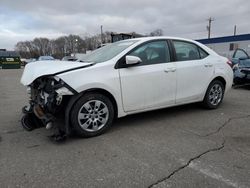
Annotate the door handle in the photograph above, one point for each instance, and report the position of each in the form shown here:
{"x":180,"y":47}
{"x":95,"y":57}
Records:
{"x":167,"y":70}
{"x":208,"y":65}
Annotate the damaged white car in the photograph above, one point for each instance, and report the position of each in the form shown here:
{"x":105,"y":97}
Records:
{"x":123,"y":78}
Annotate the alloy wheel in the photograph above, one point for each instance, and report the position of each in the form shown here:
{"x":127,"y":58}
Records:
{"x":215,"y":94}
{"x":93,"y":115}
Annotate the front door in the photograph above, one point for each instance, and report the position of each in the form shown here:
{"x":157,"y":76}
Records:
{"x":152,"y":83}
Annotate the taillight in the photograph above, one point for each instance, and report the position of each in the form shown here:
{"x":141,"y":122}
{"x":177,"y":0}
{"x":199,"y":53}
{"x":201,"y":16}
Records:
{"x":230,"y":63}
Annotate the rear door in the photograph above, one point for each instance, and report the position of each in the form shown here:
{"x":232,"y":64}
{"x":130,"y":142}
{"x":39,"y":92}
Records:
{"x":194,"y":71}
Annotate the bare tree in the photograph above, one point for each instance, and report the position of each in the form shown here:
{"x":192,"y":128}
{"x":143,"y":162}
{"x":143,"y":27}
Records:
{"x":23,"y":50}
{"x":42,"y":46}
{"x":61,"y":46}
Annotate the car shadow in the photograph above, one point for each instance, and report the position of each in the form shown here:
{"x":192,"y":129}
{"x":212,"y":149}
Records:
{"x":141,"y":118}
{"x":244,"y":86}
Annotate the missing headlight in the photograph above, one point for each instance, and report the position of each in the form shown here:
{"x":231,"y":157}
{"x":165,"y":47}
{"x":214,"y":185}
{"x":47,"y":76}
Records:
{"x":64,"y":91}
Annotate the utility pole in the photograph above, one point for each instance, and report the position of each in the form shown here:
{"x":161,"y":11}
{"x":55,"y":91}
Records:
{"x":235,"y":29}
{"x":101,"y":35}
{"x":209,"y":26}
{"x":75,"y":46}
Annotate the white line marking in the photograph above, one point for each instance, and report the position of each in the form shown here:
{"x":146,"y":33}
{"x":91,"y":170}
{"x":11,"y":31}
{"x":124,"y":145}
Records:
{"x":219,"y":177}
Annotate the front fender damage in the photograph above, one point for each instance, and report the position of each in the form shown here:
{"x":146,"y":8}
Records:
{"x":48,"y":98}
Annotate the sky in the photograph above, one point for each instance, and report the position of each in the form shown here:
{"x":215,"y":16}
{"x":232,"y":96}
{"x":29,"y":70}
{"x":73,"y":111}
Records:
{"x":22,"y":20}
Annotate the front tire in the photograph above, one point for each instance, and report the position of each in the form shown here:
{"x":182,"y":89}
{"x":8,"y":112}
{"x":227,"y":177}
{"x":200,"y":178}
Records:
{"x":214,"y":94}
{"x":92,"y":115}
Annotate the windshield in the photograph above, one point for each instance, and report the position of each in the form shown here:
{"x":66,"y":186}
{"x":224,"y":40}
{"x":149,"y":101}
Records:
{"x":107,"y":52}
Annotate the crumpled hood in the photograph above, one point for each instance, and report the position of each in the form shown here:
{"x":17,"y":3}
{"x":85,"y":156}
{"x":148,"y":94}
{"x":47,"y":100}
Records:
{"x":37,"y":69}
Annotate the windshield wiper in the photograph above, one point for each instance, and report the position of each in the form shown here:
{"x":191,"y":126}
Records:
{"x":82,"y":61}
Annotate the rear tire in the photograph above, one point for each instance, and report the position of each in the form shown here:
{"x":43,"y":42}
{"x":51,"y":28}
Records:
{"x":92,"y":115}
{"x":214,"y":94}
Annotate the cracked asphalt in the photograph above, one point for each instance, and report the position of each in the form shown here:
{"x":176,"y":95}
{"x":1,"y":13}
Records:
{"x":185,"y":146}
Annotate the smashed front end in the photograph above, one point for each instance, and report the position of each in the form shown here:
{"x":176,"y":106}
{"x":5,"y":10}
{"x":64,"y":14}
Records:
{"x":48,"y":96}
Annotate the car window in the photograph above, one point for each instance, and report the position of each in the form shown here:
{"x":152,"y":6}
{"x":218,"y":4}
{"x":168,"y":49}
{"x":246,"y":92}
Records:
{"x":240,"y":54}
{"x":152,"y":53}
{"x":186,"y":51}
{"x":203,"y":54}
{"x":244,"y":63}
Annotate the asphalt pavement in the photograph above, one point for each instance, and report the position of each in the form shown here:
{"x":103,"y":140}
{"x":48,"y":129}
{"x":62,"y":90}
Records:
{"x":184,"y":146}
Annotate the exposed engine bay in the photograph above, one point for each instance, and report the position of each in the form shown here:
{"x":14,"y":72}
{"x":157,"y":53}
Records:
{"x":47,"y":98}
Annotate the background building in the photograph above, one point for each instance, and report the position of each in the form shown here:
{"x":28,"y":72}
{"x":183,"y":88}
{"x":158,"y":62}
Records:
{"x":226,"y":46}
{"x":123,"y":36}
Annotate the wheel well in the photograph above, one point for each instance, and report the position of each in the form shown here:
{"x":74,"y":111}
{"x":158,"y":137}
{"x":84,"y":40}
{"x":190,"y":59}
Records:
{"x":107,"y":94}
{"x":216,"y":78}
{"x":220,"y":79}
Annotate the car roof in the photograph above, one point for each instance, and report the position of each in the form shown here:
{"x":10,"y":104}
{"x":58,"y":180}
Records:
{"x":145,"y":39}
{"x":158,"y":37}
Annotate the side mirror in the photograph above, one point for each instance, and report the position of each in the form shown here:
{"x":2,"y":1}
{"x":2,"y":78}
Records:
{"x":132,"y":60}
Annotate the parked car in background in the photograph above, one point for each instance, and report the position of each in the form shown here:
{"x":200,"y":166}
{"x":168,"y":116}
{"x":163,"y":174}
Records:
{"x":238,"y":55}
{"x":69,"y":58}
{"x":23,"y":61}
{"x":241,"y":67}
{"x":26,"y":61}
{"x":31,"y":60}
{"x":46,"y":58}
{"x":123,"y":78}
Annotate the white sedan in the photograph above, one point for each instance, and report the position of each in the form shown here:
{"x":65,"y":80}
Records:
{"x":123,"y":78}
